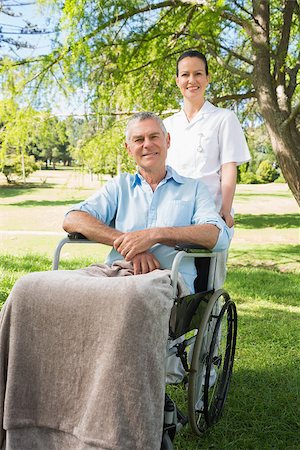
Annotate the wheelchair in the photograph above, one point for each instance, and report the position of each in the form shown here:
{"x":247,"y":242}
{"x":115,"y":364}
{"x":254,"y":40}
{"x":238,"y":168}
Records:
{"x":206,"y":323}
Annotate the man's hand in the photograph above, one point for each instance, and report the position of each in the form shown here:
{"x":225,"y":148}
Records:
{"x":133,"y":243}
{"x":144,"y":263}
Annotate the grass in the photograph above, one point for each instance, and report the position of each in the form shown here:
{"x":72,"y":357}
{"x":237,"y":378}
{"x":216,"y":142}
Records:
{"x":263,"y":405}
{"x":262,"y":409}
{"x":256,"y":221}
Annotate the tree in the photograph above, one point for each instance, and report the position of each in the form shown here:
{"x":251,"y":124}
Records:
{"x":17,"y":132}
{"x":104,"y":152}
{"x":125,"y":51}
{"x":19,"y":166}
{"x":51,"y":144}
{"x":266,"y":172}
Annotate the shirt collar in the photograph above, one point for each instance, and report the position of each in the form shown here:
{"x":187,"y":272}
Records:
{"x":170,"y":174}
{"x":207,"y":108}
{"x":136,"y":180}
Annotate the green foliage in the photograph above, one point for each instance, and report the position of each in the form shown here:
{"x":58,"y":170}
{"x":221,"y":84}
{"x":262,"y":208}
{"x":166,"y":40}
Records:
{"x":266,"y":172}
{"x":122,"y":55}
{"x":16,"y":135}
{"x":51,"y":141}
{"x":263,"y":167}
{"x":27,"y":135}
{"x":248,"y":178}
{"x":19,"y":165}
{"x":104,"y":151}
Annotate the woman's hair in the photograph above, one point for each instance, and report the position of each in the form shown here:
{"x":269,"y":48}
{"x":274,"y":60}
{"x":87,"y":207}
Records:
{"x":192,"y":54}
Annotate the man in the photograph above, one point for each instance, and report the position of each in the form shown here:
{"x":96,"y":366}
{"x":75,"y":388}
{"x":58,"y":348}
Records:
{"x":153,"y":210}
{"x":83,"y":351}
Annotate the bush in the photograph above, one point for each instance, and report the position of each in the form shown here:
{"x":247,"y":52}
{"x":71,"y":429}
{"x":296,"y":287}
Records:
{"x":13,"y":169}
{"x":266,"y":172}
{"x":248,"y":178}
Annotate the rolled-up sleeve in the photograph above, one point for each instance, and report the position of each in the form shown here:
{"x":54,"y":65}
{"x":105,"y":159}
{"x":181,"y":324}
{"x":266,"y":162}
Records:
{"x":102,"y":205}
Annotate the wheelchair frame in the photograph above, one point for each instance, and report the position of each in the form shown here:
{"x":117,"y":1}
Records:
{"x":208,"y":322}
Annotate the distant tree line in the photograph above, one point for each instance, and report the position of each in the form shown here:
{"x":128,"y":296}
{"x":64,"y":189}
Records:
{"x":30,"y":140}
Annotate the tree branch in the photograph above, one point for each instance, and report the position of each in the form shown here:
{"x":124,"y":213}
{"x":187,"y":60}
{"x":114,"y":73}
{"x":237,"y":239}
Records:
{"x":295,"y":112}
{"x":127,"y":15}
{"x":238,"y":97}
{"x":279,"y":73}
{"x":293,"y":72}
{"x":227,"y":14}
{"x":230,"y":68}
{"x":237,"y":55}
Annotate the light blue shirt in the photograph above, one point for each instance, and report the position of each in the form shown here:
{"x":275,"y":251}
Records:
{"x":128,"y":203}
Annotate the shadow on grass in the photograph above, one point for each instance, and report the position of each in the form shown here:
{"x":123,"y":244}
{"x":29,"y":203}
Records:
{"x":32,"y":203}
{"x":242,"y":195}
{"x":17,"y":189}
{"x":262,"y":407}
{"x":261,"y":284}
{"x":282,"y":258}
{"x":254,"y":221}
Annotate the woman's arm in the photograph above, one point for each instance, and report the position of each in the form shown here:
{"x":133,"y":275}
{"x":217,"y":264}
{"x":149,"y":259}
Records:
{"x":228,"y":184}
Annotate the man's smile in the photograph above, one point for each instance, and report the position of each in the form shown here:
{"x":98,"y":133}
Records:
{"x":150,"y":154}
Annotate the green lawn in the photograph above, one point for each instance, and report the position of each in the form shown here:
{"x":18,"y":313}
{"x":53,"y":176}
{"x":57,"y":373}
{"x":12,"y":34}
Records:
{"x":263,"y":405}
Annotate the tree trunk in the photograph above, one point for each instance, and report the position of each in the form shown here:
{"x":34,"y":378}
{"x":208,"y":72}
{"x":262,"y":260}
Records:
{"x":287,"y":150}
{"x":23,"y":168}
{"x":283,"y":132}
{"x":285,"y":138}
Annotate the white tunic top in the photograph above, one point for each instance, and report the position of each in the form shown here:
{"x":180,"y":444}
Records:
{"x":200,"y":147}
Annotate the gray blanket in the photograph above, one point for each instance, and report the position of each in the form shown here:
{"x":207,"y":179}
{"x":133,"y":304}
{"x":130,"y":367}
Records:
{"x":83,"y":359}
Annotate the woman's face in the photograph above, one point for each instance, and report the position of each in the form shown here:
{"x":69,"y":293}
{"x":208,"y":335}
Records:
{"x":192,"y":79}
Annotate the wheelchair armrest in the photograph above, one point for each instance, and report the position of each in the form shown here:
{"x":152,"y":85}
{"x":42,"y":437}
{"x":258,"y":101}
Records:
{"x":76,"y":236}
{"x":72,"y":238}
{"x":192,"y":248}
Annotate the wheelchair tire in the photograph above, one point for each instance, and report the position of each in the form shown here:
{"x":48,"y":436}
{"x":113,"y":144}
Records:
{"x":212,"y":362}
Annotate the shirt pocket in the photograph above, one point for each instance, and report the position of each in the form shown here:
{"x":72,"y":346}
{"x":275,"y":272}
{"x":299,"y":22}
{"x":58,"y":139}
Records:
{"x":176,"y":213}
{"x":206,"y":141}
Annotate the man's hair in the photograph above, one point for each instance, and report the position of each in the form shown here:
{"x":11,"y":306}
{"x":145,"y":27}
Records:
{"x":139,"y":117}
{"x":192,"y":54}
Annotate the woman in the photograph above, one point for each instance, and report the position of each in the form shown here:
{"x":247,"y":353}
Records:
{"x":207,"y":142}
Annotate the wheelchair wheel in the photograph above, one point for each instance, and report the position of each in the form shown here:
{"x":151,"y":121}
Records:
{"x":167,"y":443}
{"x":212,"y":362}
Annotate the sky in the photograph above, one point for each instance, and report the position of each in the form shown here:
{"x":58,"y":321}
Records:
{"x":10,"y":27}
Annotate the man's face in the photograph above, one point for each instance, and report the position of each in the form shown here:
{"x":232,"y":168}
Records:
{"x":147,"y":144}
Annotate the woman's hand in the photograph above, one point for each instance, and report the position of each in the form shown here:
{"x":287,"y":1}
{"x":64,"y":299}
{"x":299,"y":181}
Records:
{"x":228,"y":219}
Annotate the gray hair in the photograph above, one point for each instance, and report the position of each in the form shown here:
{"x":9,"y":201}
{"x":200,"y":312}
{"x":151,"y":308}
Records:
{"x":139,"y":117}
